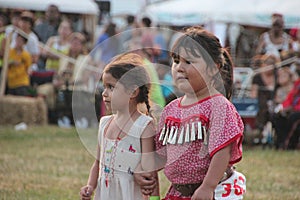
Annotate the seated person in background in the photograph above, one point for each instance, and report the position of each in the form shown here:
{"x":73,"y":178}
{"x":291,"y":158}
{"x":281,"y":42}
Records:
{"x":59,"y":44}
{"x":285,"y":85}
{"x":32,"y":45}
{"x":68,"y":68}
{"x":80,"y":70}
{"x":275,"y":40}
{"x":49,"y":26}
{"x":263,"y":86}
{"x":290,"y":108}
{"x":18,"y":68}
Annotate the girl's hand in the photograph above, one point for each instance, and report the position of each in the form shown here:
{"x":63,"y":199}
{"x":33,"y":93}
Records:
{"x":146,"y":181}
{"x":86,"y":192}
{"x":203,"y":193}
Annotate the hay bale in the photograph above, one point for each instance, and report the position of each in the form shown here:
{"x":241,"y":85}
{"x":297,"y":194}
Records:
{"x":17,"y":109}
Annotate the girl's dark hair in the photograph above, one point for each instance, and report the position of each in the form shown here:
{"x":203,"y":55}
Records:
{"x":201,"y":43}
{"x":131,"y":75}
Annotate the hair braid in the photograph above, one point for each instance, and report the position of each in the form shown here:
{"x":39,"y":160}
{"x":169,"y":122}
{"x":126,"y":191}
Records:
{"x":144,"y":97}
{"x":226,"y":71}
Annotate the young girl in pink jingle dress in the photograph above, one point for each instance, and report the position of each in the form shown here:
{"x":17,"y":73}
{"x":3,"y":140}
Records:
{"x":200,"y":134}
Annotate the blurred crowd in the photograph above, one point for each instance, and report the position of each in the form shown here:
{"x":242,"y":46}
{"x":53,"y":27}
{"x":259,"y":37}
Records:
{"x":273,"y":55}
{"x":50,"y":54}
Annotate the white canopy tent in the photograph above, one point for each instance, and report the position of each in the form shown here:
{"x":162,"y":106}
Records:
{"x":246,"y":12}
{"x":88,"y":9}
{"x":66,"y":6}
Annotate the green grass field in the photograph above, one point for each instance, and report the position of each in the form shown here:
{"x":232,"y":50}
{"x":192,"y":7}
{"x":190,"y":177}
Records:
{"x":47,"y":162}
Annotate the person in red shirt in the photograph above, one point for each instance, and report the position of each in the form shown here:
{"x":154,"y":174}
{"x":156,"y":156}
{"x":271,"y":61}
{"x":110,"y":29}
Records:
{"x":290,"y":108}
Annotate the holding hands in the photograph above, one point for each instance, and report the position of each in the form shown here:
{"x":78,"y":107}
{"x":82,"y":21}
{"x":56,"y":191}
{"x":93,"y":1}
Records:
{"x":86,"y":192}
{"x":147,"y":181}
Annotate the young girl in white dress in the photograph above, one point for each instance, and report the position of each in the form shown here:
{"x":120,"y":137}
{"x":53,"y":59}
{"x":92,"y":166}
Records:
{"x":126,"y":138}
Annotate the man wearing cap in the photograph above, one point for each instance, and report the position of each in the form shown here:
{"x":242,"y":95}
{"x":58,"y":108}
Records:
{"x":275,"y":40}
{"x":32,"y":46}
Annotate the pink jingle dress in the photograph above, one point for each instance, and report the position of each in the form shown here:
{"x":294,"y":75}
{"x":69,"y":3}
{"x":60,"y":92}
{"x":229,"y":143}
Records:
{"x":189,"y":136}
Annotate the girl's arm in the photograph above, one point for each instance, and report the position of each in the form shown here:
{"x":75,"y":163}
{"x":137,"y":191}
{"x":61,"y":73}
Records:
{"x":215,"y":172}
{"x":145,"y":180}
{"x":148,"y":163}
{"x":87,"y":191}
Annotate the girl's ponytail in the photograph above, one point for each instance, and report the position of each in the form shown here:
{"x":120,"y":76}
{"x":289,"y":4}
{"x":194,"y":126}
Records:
{"x":226,"y":71}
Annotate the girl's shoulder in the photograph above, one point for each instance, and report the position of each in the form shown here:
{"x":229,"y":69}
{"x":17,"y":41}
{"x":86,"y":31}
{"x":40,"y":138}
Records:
{"x":143,"y":120}
{"x":104,"y":121}
{"x":221,"y":99}
{"x":139,"y":125}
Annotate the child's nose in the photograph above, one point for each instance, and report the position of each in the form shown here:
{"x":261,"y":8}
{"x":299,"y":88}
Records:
{"x":104,"y":93}
{"x":179,"y":67}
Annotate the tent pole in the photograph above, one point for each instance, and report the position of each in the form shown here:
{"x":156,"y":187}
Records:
{"x":5,"y":65}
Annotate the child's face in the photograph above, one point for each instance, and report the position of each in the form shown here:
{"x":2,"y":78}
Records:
{"x":115,"y":96}
{"x":64,"y":29}
{"x":189,"y":73}
{"x":283,"y":76}
{"x":76,"y":45}
{"x":19,"y":42}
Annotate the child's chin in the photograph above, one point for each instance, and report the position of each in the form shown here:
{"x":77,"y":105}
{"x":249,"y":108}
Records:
{"x":185,"y":89}
{"x":108,"y":108}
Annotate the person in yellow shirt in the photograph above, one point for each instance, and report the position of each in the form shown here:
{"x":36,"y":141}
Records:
{"x":59,"y":44}
{"x":18,"y":79}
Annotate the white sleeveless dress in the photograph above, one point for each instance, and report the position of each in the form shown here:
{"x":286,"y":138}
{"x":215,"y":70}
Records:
{"x":118,"y":161}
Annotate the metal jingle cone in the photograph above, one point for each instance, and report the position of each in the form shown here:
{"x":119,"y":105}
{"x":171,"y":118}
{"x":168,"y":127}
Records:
{"x":171,"y":134}
{"x":199,"y":131}
{"x":193,"y":132}
{"x":180,"y":139}
{"x":166,"y":136}
{"x":205,"y":139}
{"x":187,"y":133}
{"x":162,"y":133}
{"x":173,"y":140}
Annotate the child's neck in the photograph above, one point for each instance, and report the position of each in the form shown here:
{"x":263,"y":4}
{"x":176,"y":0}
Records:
{"x":124,"y":114}
{"x":191,"y":98}
{"x":19,"y":49}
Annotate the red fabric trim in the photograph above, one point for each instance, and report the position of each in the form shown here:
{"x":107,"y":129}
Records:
{"x":201,"y":100}
{"x":226,"y":144}
{"x":42,"y":74}
{"x":205,"y":119}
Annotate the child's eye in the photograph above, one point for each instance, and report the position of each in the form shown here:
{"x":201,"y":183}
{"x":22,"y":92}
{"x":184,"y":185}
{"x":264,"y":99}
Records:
{"x":176,"y":60}
{"x":109,"y":86}
{"x":187,"y":62}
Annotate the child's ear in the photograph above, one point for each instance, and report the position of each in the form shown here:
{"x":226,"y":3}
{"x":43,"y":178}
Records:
{"x":215,"y":70}
{"x":135,"y":92}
